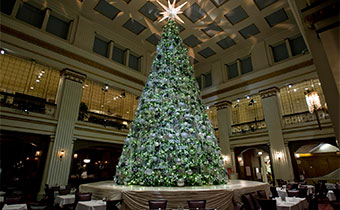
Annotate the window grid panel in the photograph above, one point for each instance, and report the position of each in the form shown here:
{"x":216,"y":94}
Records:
{"x":293,"y":98}
{"x":16,"y":71}
{"x":109,"y":102}
{"x":243,"y":112}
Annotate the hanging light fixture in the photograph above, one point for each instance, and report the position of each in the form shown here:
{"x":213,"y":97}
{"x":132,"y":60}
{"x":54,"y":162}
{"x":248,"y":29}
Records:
{"x":313,"y":101}
{"x":314,"y":104}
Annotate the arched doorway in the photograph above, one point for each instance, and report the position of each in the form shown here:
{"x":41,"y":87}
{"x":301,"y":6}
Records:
{"x":254,"y":163}
{"x":23,"y":157}
{"x":93,"y":161}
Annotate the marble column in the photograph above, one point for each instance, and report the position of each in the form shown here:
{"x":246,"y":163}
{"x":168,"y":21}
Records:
{"x":47,"y":165}
{"x":282,"y":166}
{"x":68,"y":100}
{"x":224,"y":130}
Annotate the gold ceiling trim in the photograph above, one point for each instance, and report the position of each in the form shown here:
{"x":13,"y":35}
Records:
{"x":61,"y":51}
{"x":258,"y":79}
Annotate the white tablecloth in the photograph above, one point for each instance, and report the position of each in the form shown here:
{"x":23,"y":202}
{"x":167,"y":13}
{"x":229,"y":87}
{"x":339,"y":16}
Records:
{"x":310,"y":189}
{"x":291,"y":203}
{"x":62,"y":200}
{"x":330,"y":186}
{"x":91,"y":205}
{"x":331,"y":195}
{"x":15,"y":207}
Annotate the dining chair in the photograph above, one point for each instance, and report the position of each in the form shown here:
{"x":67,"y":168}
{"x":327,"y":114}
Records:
{"x":262,"y":194}
{"x":267,"y":204}
{"x":156,"y":204}
{"x":196,"y":203}
{"x":248,"y":202}
{"x":255,"y":202}
{"x":274,"y":192}
{"x":112,"y":204}
{"x":303,"y":193}
{"x":64,"y":191}
{"x":289,"y":186}
{"x":313,"y":203}
{"x":79,"y":197}
{"x":13,"y":199}
{"x":337,"y":194}
{"x":293,"y":193}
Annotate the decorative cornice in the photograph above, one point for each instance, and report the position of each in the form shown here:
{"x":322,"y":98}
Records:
{"x":223,"y":105}
{"x":269,"y":92}
{"x":63,"y":52}
{"x":261,"y":78}
{"x":73,"y":75}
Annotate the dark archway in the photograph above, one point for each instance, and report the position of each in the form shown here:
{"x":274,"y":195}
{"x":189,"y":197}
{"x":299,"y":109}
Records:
{"x":103,"y":158}
{"x":23,"y":157}
{"x":247,"y":152}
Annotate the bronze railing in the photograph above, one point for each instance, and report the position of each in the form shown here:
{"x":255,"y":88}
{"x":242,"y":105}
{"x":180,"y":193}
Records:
{"x":27,"y":103}
{"x":247,"y":127}
{"x":303,"y":117}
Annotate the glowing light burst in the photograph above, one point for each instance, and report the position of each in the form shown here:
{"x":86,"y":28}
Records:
{"x":171,"y":11}
{"x":313,"y":101}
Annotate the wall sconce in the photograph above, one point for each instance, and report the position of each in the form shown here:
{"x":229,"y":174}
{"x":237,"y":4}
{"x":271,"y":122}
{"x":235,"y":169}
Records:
{"x":259,"y":153}
{"x":225,"y":159}
{"x":239,"y":159}
{"x":38,"y":153}
{"x":279,"y":155}
{"x":61,"y":154}
{"x":75,"y":155}
{"x":87,"y":160}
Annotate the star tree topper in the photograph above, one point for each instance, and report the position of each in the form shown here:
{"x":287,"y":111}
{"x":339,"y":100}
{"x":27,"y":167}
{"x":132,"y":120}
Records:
{"x":171,"y":11}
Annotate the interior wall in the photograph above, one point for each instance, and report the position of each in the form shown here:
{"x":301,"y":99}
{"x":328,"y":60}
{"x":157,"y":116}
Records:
{"x":318,"y":165}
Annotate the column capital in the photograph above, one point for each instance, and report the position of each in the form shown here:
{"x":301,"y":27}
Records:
{"x":222,"y":105}
{"x":266,"y":93}
{"x":73,"y":75}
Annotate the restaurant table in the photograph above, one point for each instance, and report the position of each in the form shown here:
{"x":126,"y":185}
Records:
{"x":291,"y":203}
{"x":330,"y":186}
{"x":62,"y":200}
{"x":331,"y":196}
{"x":15,"y":207}
{"x":310,"y":189}
{"x":91,"y":205}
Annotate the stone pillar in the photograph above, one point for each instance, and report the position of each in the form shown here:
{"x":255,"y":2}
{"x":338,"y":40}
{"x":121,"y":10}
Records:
{"x":47,"y":16}
{"x":127,"y":57}
{"x":233,"y":160}
{"x":323,"y":44}
{"x":16,"y":7}
{"x":224,"y":130}
{"x":47,"y":165}
{"x":272,"y":113}
{"x":68,"y":100}
{"x":111,"y":46}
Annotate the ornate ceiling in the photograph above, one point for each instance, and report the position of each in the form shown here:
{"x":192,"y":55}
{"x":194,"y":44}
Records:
{"x":211,"y":29}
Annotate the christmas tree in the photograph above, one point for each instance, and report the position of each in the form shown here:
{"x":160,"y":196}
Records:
{"x":171,"y":141}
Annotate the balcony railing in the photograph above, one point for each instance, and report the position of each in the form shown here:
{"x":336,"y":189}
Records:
{"x":27,"y":103}
{"x":303,"y":117}
{"x":105,"y":120}
{"x":247,"y":127}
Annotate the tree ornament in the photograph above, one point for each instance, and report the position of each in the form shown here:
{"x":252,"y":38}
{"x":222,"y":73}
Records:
{"x":180,"y":182}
